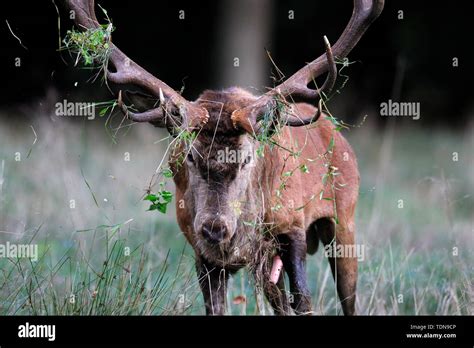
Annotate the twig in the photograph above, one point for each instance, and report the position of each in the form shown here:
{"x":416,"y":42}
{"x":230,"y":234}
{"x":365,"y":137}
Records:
{"x":59,"y":24}
{"x":34,"y":142}
{"x":16,"y":37}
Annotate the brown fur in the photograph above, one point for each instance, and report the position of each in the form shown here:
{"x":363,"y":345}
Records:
{"x":302,"y":216}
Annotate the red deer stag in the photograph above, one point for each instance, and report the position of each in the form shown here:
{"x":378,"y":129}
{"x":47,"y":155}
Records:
{"x":230,"y":204}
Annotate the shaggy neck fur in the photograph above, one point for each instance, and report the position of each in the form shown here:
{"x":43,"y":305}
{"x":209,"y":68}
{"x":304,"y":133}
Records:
{"x":218,"y":134}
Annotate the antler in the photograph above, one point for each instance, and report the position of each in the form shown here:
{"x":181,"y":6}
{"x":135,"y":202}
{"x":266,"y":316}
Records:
{"x":129,"y":72}
{"x":296,"y":87}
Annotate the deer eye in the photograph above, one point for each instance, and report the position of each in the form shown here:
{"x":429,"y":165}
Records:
{"x":190,"y":157}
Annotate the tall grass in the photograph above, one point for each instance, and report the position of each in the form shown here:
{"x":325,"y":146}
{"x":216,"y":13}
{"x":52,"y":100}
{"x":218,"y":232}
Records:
{"x":75,"y":195}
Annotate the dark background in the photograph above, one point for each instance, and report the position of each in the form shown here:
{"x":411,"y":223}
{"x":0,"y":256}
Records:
{"x":422,"y":45}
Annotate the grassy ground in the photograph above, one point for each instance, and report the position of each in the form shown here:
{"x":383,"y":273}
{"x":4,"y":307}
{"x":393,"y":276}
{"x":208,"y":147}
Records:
{"x":411,"y":265}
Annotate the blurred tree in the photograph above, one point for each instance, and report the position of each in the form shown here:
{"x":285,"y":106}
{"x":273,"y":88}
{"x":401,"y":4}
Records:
{"x":244,"y":31}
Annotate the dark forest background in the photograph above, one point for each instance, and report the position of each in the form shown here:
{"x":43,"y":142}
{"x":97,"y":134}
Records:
{"x":418,"y":49}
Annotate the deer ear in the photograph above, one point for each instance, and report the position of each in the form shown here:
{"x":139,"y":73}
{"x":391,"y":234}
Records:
{"x":141,"y":101}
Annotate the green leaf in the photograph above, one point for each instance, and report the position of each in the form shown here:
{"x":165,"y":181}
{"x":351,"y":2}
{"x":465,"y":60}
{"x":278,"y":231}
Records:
{"x":167,"y":196}
{"x":103,"y":111}
{"x":87,"y":59}
{"x":304,"y":168}
{"x":162,"y":208}
{"x":160,"y":200}
{"x":167,"y":173}
{"x":150,"y":197}
{"x":333,"y":120}
{"x":153,"y":207}
{"x":331,"y":145}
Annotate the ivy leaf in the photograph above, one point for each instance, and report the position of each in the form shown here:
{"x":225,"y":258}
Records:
{"x":167,"y":196}
{"x":167,"y":173}
{"x":159,"y":201}
{"x":153,"y":207}
{"x":151,"y":197}
{"x":162,"y":207}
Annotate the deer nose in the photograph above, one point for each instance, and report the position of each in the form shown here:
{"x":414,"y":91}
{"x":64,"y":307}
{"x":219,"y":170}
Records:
{"x":214,"y":231}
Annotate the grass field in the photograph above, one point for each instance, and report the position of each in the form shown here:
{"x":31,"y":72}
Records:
{"x":73,"y":193}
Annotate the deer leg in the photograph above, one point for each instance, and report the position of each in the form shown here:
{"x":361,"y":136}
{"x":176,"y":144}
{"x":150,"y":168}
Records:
{"x":276,"y":295}
{"x":293,"y":255}
{"x":213,"y":282}
{"x":344,"y":268}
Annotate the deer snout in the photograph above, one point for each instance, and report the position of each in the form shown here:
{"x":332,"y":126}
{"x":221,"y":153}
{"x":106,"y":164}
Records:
{"x":214,"y":231}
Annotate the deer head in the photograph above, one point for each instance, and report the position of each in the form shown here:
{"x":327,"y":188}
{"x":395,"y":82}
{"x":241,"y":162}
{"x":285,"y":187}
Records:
{"x":227,"y":121}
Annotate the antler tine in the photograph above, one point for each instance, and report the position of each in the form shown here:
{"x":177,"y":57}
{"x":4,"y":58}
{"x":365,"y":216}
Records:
{"x":129,"y":72}
{"x":326,"y":88}
{"x":296,"y":86}
{"x":248,"y":118}
{"x":363,"y":14}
